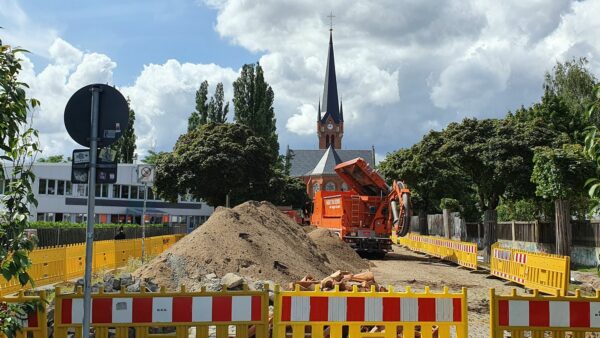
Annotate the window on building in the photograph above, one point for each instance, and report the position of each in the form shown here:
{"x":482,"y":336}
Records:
{"x":80,"y":218}
{"x":344,"y":187}
{"x":125,"y":191}
{"x":82,"y":190}
{"x":150,"y":194}
{"x":141,"y":193}
{"x":51,"y":187}
{"x":66,"y":218}
{"x":60,"y":187}
{"x":50,"y":217}
{"x":40,"y":216}
{"x":330,"y":186}
{"x":316,"y":187}
{"x":134,"y":192}
{"x":42,"y":186}
{"x":116,"y":191}
{"x":68,"y":188}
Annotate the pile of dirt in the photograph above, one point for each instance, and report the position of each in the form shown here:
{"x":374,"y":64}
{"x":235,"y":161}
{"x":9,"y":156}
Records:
{"x":253,"y":240}
{"x":339,"y":255}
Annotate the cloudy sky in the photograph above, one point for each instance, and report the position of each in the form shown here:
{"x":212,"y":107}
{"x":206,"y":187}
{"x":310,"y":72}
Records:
{"x":404,"y":67}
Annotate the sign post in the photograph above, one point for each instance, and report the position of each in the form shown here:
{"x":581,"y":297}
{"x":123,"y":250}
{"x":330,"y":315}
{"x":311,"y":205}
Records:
{"x":89,"y":235}
{"x":94,"y":116}
{"x":145,"y":176}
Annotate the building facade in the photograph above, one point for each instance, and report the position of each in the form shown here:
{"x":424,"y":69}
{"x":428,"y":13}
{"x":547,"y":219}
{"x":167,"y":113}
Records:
{"x":316,"y":167}
{"x":122,"y":202}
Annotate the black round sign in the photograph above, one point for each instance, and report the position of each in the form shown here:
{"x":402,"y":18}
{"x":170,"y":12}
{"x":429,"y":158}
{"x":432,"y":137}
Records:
{"x":113,"y":116}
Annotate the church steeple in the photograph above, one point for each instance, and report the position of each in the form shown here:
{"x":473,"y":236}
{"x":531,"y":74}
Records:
{"x":330,"y":125}
{"x":330,"y":92}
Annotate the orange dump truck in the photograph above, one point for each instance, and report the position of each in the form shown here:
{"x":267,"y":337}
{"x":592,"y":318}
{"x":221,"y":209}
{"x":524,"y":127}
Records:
{"x":365,"y":216}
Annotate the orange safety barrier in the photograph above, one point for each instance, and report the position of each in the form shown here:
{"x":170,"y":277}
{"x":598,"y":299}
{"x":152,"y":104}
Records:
{"x":545,"y":272}
{"x":391,"y":314}
{"x":544,"y":316}
{"x":62,"y":263}
{"x":461,"y":253}
{"x":35,"y":324}
{"x":165,"y":314}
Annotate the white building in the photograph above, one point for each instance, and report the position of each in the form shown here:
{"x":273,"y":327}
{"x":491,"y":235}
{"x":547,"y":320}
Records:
{"x":122,"y":202}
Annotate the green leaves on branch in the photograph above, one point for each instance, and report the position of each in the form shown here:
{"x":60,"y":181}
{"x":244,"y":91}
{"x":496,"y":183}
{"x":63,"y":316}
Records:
{"x":18,"y":148}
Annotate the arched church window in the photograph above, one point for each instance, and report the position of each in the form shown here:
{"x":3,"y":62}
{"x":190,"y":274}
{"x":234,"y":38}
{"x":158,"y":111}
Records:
{"x":332,"y":141}
{"x":344,"y":187}
{"x":316,"y":187}
{"x":330,"y":186}
{"x":326,"y":141}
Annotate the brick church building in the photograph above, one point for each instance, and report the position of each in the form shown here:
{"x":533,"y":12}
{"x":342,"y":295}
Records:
{"x":316,"y":166}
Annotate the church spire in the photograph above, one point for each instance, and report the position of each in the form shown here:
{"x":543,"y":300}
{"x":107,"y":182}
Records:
{"x":319,"y":111}
{"x":330,"y":93}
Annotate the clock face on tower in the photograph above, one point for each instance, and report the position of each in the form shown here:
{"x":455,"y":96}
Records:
{"x":330,"y":126}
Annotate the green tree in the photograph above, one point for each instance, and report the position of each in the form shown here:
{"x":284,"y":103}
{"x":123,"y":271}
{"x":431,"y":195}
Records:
{"x":253,"y":104}
{"x":153,"y":156}
{"x":125,"y":145}
{"x":429,"y":175}
{"x":215,"y":160}
{"x":592,"y":150}
{"x":199,"y":117}
{"x":52,"y":159}
{"x":18,"y":147}
{"x":497,"y":157}
{"x":217,"y":112}
{"x":559,"y":176}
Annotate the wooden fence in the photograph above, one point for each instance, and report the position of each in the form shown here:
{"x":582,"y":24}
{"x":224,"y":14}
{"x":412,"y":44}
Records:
{"x":585,"y":233}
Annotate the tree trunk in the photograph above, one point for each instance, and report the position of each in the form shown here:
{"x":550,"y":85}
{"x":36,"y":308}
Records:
{"x":446,"y":219}
{"x":490,"y":220}
{"x":423,"y":223}
{"x":563,"y":227}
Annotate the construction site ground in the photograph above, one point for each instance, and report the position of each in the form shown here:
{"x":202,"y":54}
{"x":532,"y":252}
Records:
{"x":403,"y":268}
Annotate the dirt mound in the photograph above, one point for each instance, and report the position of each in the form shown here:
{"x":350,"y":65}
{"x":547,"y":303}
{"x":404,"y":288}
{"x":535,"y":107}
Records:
{"x":339,"y":255}
{"x":254,"y":240}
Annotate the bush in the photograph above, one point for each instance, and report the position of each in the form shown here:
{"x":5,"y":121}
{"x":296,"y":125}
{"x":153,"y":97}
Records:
{"x":450,"y":204}
{"x":520,"y":210}
{"x":65,"y":225}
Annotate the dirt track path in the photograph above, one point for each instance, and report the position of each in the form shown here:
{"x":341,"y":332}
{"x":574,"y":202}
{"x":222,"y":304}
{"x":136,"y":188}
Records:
{"x":404,"y":268}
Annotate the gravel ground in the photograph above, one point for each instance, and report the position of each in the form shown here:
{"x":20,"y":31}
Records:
{"x":404,"y":268}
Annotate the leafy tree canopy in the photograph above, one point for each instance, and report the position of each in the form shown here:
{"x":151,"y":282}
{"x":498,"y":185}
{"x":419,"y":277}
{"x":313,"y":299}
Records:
{"x":125,"y":145}
{"x":52,"y":159}
{"x":429,"y":175}
{"x":253,"y":104}
{"x":560,"y":173}
{"x":215,"y":160}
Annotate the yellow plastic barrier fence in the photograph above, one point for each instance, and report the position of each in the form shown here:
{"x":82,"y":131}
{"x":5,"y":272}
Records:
{"x":62,"y":263}
{"x":544,"y":272}
{"x":35,"y":325}
{"x":461,"y":253}
{"x":389,"y":314}
{"x":544,"y":316}
{"x":172,"y":314}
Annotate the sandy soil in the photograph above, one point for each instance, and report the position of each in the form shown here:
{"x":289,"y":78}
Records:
{"x":404,"y":268}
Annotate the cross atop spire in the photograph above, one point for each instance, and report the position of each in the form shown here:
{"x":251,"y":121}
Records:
{"x":331,"y":16}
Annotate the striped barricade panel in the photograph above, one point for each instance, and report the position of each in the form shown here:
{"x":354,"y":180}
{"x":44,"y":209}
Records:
{"x":363,"y":309}
{"x":462,"y":253}
{"x":543,"y":313}
{"x":544,"y":272}
{"x":186,"y":309}
{"x":295,"y":310}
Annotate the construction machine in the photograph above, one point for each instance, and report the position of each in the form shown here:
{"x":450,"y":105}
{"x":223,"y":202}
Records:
{"x":365,"y":216}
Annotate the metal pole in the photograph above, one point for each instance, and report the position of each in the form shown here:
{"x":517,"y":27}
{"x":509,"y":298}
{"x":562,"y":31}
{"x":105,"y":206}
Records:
{"x":89,"y":240}
{"x":143,"y":219}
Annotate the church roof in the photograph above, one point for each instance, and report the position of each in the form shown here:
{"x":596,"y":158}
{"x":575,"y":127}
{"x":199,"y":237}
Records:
{"x":330,"y":94}
{"x":304,"y":162}
{"x":327,"y":163}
